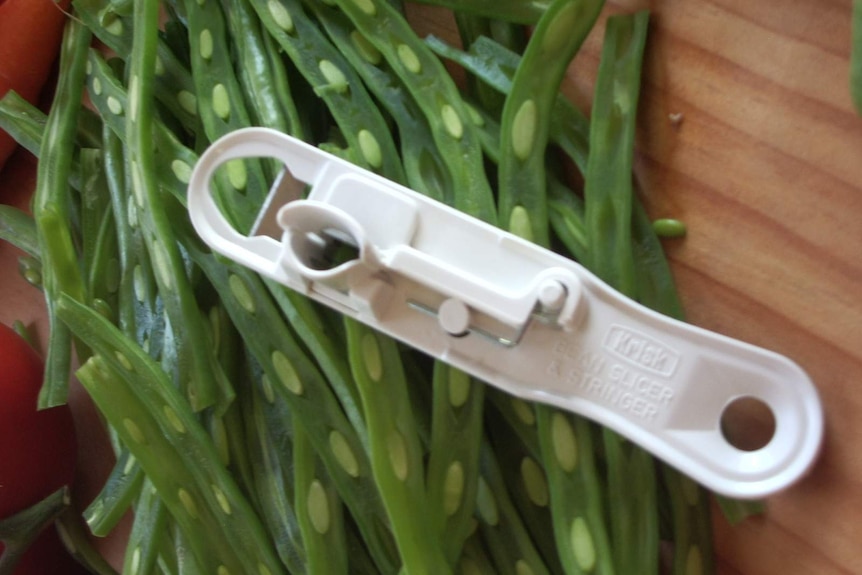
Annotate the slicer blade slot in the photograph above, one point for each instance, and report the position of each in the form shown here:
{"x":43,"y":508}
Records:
{"x":286,"y":188}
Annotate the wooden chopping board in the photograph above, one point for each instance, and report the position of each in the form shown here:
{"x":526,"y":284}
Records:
{"x":765,"y":167}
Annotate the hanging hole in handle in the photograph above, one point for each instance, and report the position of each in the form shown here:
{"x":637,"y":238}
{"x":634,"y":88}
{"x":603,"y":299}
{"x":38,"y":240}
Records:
{"x":748,"y":423}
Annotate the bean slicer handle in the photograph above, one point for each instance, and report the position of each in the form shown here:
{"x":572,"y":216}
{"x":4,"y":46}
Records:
{"x":517,"y":316}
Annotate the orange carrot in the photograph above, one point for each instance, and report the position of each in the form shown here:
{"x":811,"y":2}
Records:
{"x":30,"y":36}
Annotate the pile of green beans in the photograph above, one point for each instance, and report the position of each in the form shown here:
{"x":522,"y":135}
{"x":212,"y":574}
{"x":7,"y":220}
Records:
{"x":258,"y":433}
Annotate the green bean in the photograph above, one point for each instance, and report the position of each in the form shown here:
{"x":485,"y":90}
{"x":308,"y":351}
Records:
{"x":322,"y":341}
{"x":495,"y":65}
{"x":150,"y":519}
{"x":258,"y":73}
{"x":174,"y":160}
{"x":222,"y":109}
{"x":576,"y":493}
{"x":566,"y":214}
{"x":198,"y":370}
{"x":528,"y":111}
{"x":471,"y":28}
{"x":522,"y":470}
{"x":633,"y":512}
{"x":438,"y":97}
{"x":318,"y":508}
{"x":116,"y":496}
{"x":18,"y":228}
{"x":609,"y":199}
{"x":174,"y":87}
{"x":508,"y":10}
{"x":139,"y":315}
{"x":692,"y":529}
{"x":396,"y":452}
{"x":608,"y":188}
{"x":335,"y":82}
{"x":297,"y":382}
{"x":453,"y":461}
{"x":424,"y":167}
{"x":654,"y":283}
{"x":51,"y":210}
{"x":269,"y":433}
{"x":99,"y":247}
{"x":180,"y":460}
{"x":23,"y":121}
{"x":78,"y":541}
{"x":506,"y":538}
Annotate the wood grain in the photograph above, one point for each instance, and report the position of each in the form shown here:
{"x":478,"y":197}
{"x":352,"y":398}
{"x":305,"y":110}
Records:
{"x":766,"y":170}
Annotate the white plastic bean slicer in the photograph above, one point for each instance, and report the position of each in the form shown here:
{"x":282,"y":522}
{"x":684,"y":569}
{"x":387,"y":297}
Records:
{"x":515,"y":315}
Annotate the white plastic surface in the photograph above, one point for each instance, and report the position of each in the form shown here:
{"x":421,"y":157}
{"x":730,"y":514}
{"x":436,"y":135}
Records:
{"x":538,"y":325}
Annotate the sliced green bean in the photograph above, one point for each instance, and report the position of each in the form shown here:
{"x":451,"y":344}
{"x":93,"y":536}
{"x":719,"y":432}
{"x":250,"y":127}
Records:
{"x":259,"y":74}
{"x":78,"y":541}
{"x":438,"y":97}
{"x":308,"y":322}
{"x":177,"y":454}
{"x":609,"y":199}
{"x":634,"y":521}
{"x":524,"y":474}
{"x":23,"y":121}
{"x":198,"y":369}
{"x":471,"y":28}
{"x":528,"y":111}
{"x":396,"y":452}
{"x":566,"y":214}
{"x":174,"y":160}
{"x":139,"y":313}
{"x":453,"y":460}
{"x":423,"y":165}
{"x":335,"y":82}
{"x":227,"y":429}
{"x":506,"y":538}
{"x":116,"y":497}
{"x":474,"y":560}
{"x":692,"y":528}
{"x":269,"y":433}
{"x":576,"y":494}
{"x":509,"y":10}
{"x":297,"y":382}
{"x":608,"y":193}
{"x":51,"y":210}
{"x":496,"y":65}
{"x":655,"y":287}
{"x":222,"y":108}
{"x":319,"y":510}
{"x":150,"y":519}
{"x":18,"y":228}
{"x":174,"y":87}
{"x":97,"y":231}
